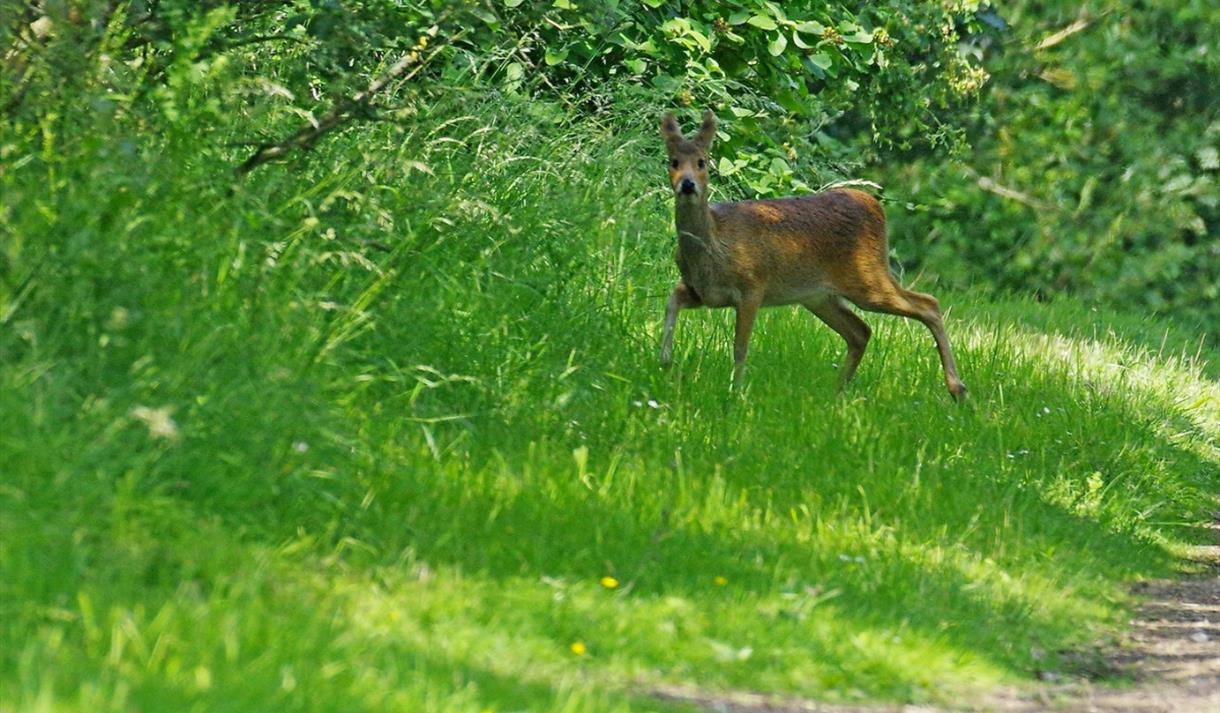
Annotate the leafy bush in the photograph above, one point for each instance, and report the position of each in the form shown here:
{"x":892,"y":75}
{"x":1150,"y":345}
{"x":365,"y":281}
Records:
{"x":802,"y":89}
{"x":1094,"y":162}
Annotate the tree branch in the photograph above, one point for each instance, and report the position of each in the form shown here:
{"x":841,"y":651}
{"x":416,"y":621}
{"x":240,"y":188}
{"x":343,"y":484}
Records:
{"x":339,"y":114}
{"x":991,"y":186}
{"x":1054,"y":39}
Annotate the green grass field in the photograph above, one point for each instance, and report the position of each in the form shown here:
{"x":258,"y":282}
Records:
{"x":253,"y":462}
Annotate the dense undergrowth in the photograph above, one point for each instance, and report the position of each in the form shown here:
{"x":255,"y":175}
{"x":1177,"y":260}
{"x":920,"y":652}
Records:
{"x":1094,"y":167}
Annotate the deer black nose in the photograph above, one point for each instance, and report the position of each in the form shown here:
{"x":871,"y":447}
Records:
{"x":688,"y":186}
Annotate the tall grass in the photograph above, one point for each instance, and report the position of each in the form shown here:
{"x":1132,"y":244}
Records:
{"x":383,"y":429}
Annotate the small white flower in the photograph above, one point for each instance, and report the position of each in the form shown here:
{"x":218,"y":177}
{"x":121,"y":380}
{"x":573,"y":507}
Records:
{"x":300,"y":446}
{"x":158,"y":421}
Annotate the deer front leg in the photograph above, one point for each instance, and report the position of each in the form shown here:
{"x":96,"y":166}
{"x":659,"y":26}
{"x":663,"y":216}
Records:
{"x":681,"y":298}
{"x":747,"y":311}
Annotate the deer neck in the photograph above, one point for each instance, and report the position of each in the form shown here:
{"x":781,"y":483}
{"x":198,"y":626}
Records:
{"x":696,"y":230}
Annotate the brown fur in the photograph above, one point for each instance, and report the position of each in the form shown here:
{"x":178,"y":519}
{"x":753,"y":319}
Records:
{"x":819,"y":251}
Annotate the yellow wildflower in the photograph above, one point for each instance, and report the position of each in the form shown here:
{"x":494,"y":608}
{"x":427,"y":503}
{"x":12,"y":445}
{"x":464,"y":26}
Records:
{"x":578,"y":648}
{"x":609,"y":582}
{"x":719,"y":581}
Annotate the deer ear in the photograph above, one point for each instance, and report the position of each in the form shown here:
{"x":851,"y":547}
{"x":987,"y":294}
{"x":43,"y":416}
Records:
{"x":707,"y":131}
{"x":669,"y":129}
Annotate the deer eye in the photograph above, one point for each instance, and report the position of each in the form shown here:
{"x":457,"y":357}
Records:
{"x":701,"y":164}
{"x":673,"y":163}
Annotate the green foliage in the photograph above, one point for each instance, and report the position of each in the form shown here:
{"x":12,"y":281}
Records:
{"x":1104,"y":147}
{"x":806,"y":88}
{"x":819,"y":87}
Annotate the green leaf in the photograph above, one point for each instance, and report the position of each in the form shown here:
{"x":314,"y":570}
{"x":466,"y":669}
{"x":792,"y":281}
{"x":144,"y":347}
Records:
{"x":859,"y":38}
{"x":776,"y":11}
{"x":822,"y":60}
{"x":778,"y":45}
{"x":654,"y":4}
{"x":763,"y":22}
{"x":725,"y":167}
{"x":704,"y":43}
{"x":512,"y":3}
{"x":791,"y":101}
{"x":685,"y":33}
{"x":675,"y":26}
{"x":761,"y":185}
{"x":564,"y":5}
{"x":738,"y":18}
{"x":554,"y":57}
{"x":812,"y":27}
{"x":779,"y":167}
{"x":666,"y":83}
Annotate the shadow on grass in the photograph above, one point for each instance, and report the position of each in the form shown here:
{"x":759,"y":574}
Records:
{"x":922,"y":544}
{"x":1051,"y":534}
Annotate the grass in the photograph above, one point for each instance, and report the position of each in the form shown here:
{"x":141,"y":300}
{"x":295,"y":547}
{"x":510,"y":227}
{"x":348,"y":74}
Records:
{"x":253,"y":462}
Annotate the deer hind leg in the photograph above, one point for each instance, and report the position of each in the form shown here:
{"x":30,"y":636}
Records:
{"x":681,"y":298}
{"x":854,"y":331}
{"x":894,"y":299}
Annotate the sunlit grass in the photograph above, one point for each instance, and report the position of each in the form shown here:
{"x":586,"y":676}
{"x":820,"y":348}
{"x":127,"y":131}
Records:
{"x":258,"y":465}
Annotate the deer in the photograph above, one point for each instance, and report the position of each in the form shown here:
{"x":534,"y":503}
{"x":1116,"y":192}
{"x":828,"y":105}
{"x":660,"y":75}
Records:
{"x":821,"y":251}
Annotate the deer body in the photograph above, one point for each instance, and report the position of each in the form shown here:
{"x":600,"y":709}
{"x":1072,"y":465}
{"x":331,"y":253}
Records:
{"x":819,"y":251}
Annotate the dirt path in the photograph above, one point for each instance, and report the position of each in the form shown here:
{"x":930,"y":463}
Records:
{"x":1172,"y":655}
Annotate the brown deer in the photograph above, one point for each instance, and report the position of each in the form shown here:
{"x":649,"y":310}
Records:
{"x":819,"y":251}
